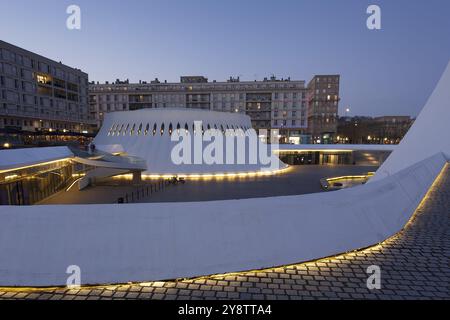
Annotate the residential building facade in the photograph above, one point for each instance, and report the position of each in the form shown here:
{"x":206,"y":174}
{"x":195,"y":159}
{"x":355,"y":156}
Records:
{"x":39,"y":95}
{"x":271,"y":103}
{"x":323,"y":103}
{"x":377,"y":130}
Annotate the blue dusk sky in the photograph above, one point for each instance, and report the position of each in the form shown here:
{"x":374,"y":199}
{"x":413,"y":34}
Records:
{"x":391,"y":71}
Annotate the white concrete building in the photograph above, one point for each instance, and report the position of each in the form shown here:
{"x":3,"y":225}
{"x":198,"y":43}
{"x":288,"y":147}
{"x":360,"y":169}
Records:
{"x":149,"y":133}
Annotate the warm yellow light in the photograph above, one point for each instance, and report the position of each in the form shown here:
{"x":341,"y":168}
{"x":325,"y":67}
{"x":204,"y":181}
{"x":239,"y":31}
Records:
{"x":348,"y":177}
{"x":72,"y":184}
{"x":311,"y":150}
{"x":35,"y":165}
{"x":12,"y":176}
{"x":6,"y":145}
{"x":77,"y":175}
{"x":218,"y":175}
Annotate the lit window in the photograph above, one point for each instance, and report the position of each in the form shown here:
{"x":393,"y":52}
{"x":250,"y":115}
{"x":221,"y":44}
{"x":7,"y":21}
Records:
{"x":140,"y":129}
{"x":146,"y":128}
{"x":186,"y":127}
{"x":162,"y":129}
{"x":132,"y":129}
{"x":154,"y":129}
{"x":170,"y":128}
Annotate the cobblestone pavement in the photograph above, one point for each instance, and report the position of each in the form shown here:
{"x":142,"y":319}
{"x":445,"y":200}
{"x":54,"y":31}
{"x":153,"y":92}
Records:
{"x":415,"y":264}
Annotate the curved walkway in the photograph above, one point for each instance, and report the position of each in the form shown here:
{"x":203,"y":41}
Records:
{"x":415,"y":264}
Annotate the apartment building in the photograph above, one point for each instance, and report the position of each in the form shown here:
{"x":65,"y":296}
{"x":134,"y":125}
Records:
{"x":368,"y":130}
{"x":271,"y":103}
{"x":39,"y":95}
{"x":323,"y":102}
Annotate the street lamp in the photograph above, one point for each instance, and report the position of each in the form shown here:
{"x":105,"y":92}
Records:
{"x":347,"y":111}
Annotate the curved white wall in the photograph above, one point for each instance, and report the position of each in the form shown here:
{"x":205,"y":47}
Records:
{"x":156,"y":148}
{"x":427,"y":136}
{"x":141,"y":242}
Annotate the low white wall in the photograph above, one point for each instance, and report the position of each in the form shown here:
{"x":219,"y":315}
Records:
{"x":141,"y":242}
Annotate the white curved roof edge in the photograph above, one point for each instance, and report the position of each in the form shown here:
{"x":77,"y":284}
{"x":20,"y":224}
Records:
{"x":142,"y":242}
{"x":428,"y":135}
{"x":16,"y":158}
{"x":169,"y":114}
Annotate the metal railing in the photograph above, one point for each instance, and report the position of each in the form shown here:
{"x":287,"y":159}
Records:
{"x":146,"y":191}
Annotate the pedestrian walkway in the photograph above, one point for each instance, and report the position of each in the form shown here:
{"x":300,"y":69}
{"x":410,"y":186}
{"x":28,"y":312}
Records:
{"x":415,"y":264}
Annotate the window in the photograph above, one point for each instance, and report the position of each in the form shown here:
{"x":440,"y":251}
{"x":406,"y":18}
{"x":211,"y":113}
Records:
{"x":110,"y":130}
{"x":170,"y":128}
{"x":186,"y":127}
{"x":146,"y":128}
{"x":139,"y":129}
{"x":178,"y":128}
{"x":126,"y":129}
{"x":154,"y":129}
{"x":132,"y":129}
{"x":162,"y":129}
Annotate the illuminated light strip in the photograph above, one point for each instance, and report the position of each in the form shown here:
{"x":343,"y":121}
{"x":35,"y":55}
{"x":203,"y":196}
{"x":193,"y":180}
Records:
{"x":73,"y":184}
{"x":254,"y":271}
{"x":206,"y":175}
{"x":347,"y":177}
{"x":218,"y":175}
{"x":35,"y":165}
{"x":312,"y":150}
{"x":11,"y":177}
{"x":76,"y":175}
